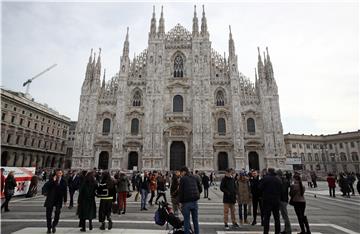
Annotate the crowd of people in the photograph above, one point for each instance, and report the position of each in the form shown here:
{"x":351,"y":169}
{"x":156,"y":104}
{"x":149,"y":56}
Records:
{"x":269,"y":192}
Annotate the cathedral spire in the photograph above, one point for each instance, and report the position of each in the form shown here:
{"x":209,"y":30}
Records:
{"x":204,"y":31}
{"x":260,"y":65}
{"x":126,"y":44}
{"x":98,"y":65}
{"x":99,"y":58}
{"x":153,"y":24}
{"x":161,"y":23}
{"x":231,"y":44}
{"x":103,"y":81}
{"x":269,"y":65}
{"x":90,"y":57}
{"x":195,"y":29}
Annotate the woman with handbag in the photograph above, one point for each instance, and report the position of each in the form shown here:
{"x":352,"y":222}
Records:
{"x":10,"y":184}
{"x":297,"y":200}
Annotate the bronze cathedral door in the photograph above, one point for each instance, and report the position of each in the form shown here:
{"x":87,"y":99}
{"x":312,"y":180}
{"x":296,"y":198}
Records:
{"x":177,"y":155}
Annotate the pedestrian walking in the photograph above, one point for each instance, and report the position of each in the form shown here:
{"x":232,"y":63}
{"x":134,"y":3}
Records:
{"x":144,"y":186}
{"x":256,"y":196}
{"x":74,"y":185}
{"x":161,"y":188}
{"x":122,"y":189}
{"x":189,"y":193}
{"x":174,"y":192}
{"x":9,"y":190}
{"x":344,"y":185}
{"x":358,"y":182}
{"x":107,"y":193}
{"x":133,"y":182}
{"x":331,"y":184}
{"x":86,"y":201}
{"x":297,"y":199}
{"x":351,"y":181}
{"x":2,"y":180}
{"x":243,"y":196}
{"x":153,"y":185}
{"x":205,"y":182}
{"x":313,"y":178}
{"x":308,"y":179}
{"x":211,"y":177}
{"x":270,"y":187}
{"x":55,"y":190}
{"x":285,"y":186}
{"x":228,"y":187}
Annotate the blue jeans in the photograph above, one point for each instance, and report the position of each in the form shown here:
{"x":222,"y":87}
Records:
{"x":186,"y":209}
{"x":144,"y":194}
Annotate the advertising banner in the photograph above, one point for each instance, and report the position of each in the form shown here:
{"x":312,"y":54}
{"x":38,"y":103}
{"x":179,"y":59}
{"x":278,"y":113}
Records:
{"x":22,"y":176}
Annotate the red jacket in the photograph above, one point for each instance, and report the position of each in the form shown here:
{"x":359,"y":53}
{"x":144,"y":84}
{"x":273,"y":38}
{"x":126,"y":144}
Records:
{"x":331,"y":182}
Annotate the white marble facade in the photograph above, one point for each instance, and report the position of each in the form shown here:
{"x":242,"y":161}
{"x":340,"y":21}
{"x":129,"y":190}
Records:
{"x":179,"y":103}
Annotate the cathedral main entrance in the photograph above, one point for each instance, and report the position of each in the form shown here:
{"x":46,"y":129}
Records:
{"x":177,"y":155}
{"x":223,"y":162}
{"x":103,"y":160}
{"x":254,"y":161}
{"x":132,"y":160}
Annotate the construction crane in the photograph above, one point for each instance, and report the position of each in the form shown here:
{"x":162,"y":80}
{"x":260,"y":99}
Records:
{"x":28,"y":82}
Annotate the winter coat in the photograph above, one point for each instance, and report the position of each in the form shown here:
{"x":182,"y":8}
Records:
{"x":161,"y":184}
{"x":285,"y":185}
{"x":189,"y":189}
{"x":10,"y":184}
{"x":86,"y":201}
{"x":243,"y":192}
{"x":270,"y":187}
{"x":205,"y":181}
{"x":153,"y":183}
{"x":174,"y":187}
{"x":144,"y":183}
{"x":254,"y":185}
{"x":56,"y":193}
{"x":331,"y":181}
{"x":228,"y":187}
{"x":74,"y":183}
{"x":295,"y":193}
{"x":123,"y":184}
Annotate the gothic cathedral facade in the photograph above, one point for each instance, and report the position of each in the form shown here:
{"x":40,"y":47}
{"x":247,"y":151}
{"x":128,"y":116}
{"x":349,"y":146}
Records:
{"x":179,"y":103}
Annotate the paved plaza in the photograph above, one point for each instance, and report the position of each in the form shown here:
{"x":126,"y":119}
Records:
{"x":326,"y":216}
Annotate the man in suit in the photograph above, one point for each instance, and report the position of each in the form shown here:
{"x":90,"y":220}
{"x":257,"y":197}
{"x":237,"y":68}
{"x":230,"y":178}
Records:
{"x":56,"y":194}
{"x":74,"y":184}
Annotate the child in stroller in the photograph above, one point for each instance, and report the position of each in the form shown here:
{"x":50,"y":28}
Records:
{"x":164,"y":214}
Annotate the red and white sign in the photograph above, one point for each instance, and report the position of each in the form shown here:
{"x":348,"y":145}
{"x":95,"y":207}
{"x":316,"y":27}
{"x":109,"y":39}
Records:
{"x":22,"y":176}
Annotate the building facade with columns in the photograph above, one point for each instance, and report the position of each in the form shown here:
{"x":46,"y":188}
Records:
{"x":179,"y":103}
{"x":325,"y":153}
{"x":32,"y":134}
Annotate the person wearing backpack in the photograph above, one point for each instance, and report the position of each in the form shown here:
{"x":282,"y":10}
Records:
{"x":55,"y":191}
{"x":10,"y":184}
{"x":107,"y":193}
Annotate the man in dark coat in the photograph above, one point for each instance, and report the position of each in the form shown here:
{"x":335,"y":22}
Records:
{"x":228,"y":187}
{"x":271,"y":189}
{"x":206,"y":184}
{"x":189,"y":193}
{"x":56,"y":194}
{"x":256,"y":196}
{"x":74,"y":184}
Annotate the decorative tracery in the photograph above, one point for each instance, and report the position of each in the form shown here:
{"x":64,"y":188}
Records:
{"x":178,"y":66}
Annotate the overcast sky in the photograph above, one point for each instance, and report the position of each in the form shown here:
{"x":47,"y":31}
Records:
{"x":314,"y":49}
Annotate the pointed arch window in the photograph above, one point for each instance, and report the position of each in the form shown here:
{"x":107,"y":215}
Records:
{"x":250,"y":125}
{"x":135,"y":126}
{"x":221,"y":126}
{"x":220,"y":98}
{"x":178,"y":103}
{"x":178,"y":66}
{"x":137,"y":98}
{"x":106,"y":126}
